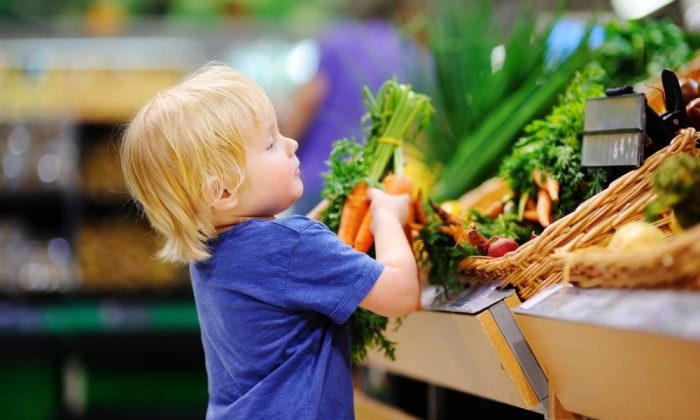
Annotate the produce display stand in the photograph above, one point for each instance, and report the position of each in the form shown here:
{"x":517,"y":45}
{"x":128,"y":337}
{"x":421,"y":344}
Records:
{"x":470,"y":344}
{"x":612,"y":353}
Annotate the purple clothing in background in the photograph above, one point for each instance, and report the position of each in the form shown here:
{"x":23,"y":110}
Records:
{"x":352,"y":55}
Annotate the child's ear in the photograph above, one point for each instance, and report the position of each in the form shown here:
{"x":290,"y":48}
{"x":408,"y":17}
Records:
{"x":226,"y":201}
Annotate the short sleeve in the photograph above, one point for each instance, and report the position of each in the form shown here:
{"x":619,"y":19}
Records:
{"x":327,"y":276}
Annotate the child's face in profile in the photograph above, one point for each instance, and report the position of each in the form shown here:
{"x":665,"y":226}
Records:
{"x":273,"y":178}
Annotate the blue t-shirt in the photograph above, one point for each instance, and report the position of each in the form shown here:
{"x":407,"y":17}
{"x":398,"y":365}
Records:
{"x":273,"y":303}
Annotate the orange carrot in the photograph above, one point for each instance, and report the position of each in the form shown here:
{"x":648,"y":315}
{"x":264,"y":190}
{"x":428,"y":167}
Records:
{"x":546,"y":181}
{"x":393,"y":185}
{"x":544,"y":208}
{"x":530,"y":205}
{"x":457,"y":232}
{"x":478,"y":241}
{"x":418,"y":209}
{"x":553,"y":188}
{"x":364,"y":238}
{"x":445,"y":217}
{"x":531,"y":215}
{"x":494,"y":210}
{"x":539,"y":177}
{"x":354,"y":210}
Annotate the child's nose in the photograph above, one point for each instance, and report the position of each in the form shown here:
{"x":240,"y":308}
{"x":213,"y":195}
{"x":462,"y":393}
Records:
{"x":294,"y":145}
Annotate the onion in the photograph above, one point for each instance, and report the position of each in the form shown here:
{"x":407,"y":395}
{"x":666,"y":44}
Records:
{"x":637,"y":235}
{"x":693,"y":111}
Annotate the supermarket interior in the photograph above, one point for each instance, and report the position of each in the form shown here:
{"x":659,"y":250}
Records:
{"x":554,"y":205}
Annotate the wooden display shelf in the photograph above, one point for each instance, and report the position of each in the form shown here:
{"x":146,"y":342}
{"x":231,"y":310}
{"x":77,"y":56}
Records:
{"x":617,"y":354}
{"x":471,"y":353}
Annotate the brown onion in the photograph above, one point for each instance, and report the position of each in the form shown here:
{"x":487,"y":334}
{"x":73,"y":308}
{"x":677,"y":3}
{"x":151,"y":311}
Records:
{"x":689,"y":89}
{"x":693,"y":111}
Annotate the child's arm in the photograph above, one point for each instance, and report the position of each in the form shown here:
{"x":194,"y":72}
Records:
{"x":395,"y":292}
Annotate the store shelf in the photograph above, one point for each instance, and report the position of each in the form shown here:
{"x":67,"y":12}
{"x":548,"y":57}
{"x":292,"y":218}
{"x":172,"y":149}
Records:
{"x":98,"y":316}
{"x":465,"y":352}
{"x":106,"y":357}
{"x":617,"y":353}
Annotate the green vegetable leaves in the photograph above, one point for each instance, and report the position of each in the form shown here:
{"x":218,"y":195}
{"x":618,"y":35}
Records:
{"x":346,"y":167}
{"x":367,"y":330}
{"x":394,"y":115}
{"x":677,"y":183}
{"x":635,"y":50}
{"x":553,"y":144}
{"x":483,"y":102}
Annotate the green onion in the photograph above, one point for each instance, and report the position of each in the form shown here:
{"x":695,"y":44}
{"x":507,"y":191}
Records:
{"x":397,"y":113}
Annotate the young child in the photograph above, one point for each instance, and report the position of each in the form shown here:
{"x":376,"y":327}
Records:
{"x":210,"y":169}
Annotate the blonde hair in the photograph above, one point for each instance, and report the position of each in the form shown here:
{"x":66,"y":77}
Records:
{"x":184,"y":147}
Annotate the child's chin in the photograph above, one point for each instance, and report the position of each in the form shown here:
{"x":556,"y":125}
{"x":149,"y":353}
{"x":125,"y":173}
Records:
{"x":300,"y":192}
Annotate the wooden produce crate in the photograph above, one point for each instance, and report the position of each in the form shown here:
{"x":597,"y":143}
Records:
{"x":611,"y":353}
{"x":470,"y":344}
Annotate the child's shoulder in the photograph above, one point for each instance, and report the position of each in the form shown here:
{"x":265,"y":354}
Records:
{"x":292,"y":227}
{"x":300,"y":223}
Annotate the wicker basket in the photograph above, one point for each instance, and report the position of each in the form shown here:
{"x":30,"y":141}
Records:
{"x":672,"y":265}
{"x":531,"y":268}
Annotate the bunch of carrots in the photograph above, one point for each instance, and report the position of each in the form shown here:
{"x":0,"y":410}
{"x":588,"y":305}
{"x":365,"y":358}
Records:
{"x":396,"y":114}
{"x":356,"y":220}
{"x":547,"y":193}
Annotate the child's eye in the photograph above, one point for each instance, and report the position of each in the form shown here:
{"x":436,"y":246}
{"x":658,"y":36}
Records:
{"x":272,"y":143}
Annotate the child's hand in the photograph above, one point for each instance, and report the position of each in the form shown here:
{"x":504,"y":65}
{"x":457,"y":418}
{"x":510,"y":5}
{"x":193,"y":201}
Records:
{"x":396,"y":291}
{"x":393,"y":205}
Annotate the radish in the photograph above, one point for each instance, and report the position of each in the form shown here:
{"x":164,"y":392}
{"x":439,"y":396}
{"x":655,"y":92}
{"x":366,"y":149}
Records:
{"x":501,"y":246}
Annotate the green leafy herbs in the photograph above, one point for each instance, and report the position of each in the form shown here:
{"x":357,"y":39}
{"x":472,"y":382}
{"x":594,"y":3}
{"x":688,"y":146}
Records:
{"x":440,"y":256}
{"x":635,"y":50}
{"x":553,"y":145}
{"x":346,"y":167}
{"x":505,"y":225}
{"x":677,"y":184}
{"x":367,"y":330}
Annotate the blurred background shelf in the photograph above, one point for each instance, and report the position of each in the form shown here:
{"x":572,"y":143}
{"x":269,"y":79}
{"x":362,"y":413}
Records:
{"x":112,"y":315}
{"x":73,"y":356}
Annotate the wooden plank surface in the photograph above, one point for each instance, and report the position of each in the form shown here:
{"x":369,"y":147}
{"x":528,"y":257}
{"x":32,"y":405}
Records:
{"x":463,"y":352}
{"x":612,"y":373}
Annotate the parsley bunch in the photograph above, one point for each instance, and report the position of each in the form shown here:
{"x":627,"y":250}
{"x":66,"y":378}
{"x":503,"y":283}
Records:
{"x":553,"y":144}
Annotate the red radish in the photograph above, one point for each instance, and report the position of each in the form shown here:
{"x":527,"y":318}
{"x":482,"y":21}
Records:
{"x":502,"y":246}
